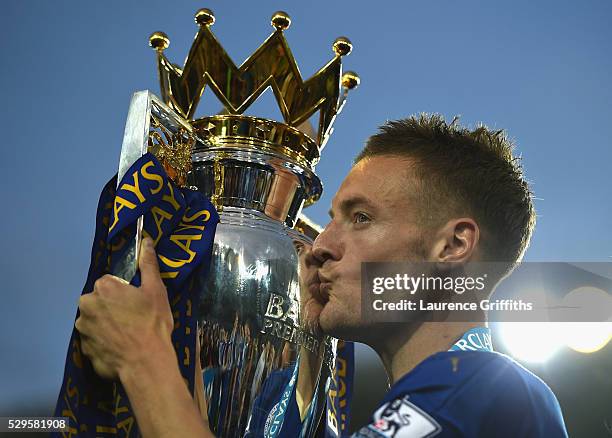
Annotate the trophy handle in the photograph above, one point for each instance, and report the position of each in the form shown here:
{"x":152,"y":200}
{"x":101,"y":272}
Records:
{"x":153,"y":127}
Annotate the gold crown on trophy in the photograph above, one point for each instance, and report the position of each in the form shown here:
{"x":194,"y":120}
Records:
{"x":271,"y":65}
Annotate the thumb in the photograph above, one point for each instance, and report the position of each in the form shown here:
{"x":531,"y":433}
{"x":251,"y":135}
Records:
{"x":149,"y":267}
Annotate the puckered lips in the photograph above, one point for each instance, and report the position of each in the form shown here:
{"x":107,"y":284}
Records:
{"x":319,"y":288}
{"x":318,"y":296}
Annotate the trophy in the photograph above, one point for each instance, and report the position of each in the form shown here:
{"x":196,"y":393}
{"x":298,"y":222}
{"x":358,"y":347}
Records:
{"x":263,"y":371}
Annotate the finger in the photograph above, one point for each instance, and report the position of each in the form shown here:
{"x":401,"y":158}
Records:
{"x":103,"y":370}
{"x":78,"y":324}
{"x":101,"y":283}
{"x":149,"y":267}
{"x":86,"y":303}
{"x":108,"y":283}
{"x":82,"y":326}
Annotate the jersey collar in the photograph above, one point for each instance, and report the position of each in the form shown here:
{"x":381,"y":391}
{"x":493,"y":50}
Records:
{"x":476,"y":339}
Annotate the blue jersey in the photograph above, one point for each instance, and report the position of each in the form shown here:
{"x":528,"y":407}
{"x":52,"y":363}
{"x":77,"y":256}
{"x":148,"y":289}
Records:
{"x":467,"y":393}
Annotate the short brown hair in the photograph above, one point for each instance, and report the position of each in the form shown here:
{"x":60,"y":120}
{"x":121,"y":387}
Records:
{"x":463,"y":172}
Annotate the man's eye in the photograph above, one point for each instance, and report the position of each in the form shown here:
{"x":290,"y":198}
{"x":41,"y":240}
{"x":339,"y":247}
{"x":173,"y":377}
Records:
{"x":361,"y":218}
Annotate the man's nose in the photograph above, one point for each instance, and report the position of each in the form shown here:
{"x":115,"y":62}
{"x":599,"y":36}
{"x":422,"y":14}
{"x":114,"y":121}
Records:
{"x":326,"y":245}
{"x":310,"y":261}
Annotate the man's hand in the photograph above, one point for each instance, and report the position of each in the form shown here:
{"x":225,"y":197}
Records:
{"x":126,"y":332}
{"x":122,"y":325}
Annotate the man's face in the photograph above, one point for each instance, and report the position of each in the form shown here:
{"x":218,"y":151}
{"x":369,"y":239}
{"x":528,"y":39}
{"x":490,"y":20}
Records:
{"x":374,"y":218}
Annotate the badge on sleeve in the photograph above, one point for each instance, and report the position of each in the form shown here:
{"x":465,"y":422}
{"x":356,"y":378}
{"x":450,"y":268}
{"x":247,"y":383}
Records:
{"x":402,"y":419}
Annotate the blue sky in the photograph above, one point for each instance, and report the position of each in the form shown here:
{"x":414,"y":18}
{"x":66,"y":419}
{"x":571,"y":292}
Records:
{"x":539,"y":69}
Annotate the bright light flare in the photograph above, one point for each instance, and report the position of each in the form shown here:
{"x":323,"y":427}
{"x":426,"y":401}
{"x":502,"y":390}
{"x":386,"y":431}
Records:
{"x":587,"y":337}
{"x":539,"y":341}
{"x":532,"y":341}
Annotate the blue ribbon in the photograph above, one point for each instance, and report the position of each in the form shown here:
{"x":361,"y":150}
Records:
{"x":182,"y":224}
{"x":340,"y":392}
{"x":283,"y":405}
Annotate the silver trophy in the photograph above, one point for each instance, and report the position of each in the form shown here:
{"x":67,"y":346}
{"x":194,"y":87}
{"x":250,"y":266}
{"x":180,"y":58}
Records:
{"x":257,"y":347}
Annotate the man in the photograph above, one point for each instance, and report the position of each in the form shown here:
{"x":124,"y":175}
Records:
{"x":421,"y":190}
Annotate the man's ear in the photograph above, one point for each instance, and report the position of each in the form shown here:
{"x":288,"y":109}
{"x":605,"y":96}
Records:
{"x":456,"y":241}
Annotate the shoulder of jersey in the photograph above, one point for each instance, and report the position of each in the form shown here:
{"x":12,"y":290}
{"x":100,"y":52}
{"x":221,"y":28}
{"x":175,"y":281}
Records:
{"x":487,"y":381}
{"x":449,"y":369}
{"x":458,"y":385}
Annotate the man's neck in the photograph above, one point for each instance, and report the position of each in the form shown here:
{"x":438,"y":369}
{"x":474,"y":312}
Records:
{"x":404,"y":351}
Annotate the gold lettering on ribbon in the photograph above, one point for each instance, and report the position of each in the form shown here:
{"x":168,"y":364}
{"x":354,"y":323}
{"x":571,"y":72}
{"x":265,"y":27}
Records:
{"x":186,"y":360}
{"x":121,"y":203}
{"x":152,"y":177}
{"x":170,"y":198}
{"x":337,"y":382}
{"x":135,"y":189}
{"x":332,"y":419}
{"x":77,"y":358}
{"x":186,"y":222}
{"x":189,"y":219}
{"x":69,"y":413}
{"x":120,"y":241}
{"x":118,"y":205}
{"x":102,"y":248}
{"x":177,"y":322}
{"x":108,"y":207}
{"x":184,"y":242}
{"x":72,"y":391}
{"x":126,"y":424}
{"x":340,"y":377}
{"x":341,"y":380}
{"x":106,"y":429}
{"x":159,"y":216}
